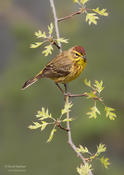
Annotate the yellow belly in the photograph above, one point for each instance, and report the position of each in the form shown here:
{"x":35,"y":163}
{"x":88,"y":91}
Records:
{"x":75,"y":72}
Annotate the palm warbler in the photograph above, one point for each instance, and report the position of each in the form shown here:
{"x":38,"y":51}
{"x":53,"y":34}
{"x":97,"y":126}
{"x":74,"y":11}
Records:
{"x":64,"y":68}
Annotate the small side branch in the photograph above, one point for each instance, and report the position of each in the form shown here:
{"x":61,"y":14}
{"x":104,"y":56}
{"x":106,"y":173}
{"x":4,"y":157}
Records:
{"x":69,"y":16}
{"x":83,"y":95}
{"x":54,"y":43}
{"x":80,"y":11}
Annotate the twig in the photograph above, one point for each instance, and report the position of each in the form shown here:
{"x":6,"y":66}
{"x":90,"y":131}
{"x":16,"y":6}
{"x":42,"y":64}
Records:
{"x":82,"y":10}
{"x":66,"y":97}
{"x":70,"y":138}
{"x":50,"y":39}
{"x":69,"y":135}
{"x":60,"y":126}
{"x":56,"y":45}
{"x":69,"y":16}
{"x":56,"y":22}
{"x":84,"y":95}
{"x":76,"y":95}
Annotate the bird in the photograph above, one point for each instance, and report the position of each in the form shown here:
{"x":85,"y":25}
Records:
{"x":65,"y":67}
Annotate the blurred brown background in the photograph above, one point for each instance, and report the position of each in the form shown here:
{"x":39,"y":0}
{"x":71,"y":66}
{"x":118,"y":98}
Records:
{"x":19,"y":19}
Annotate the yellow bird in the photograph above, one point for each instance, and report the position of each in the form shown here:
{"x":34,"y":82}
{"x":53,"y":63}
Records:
{"x":64,"y":68}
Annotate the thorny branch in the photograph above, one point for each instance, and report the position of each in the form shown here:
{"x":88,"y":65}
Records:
{"x":67,"y":97}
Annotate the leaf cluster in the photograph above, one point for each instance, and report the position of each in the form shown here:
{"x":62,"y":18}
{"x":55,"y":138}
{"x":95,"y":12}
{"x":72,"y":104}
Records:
{"x":95,"y":94}
{"x":91,"y":15}
{"x":47,"y":38}
{"x":45,"y":118}
{"x":84,"y":169}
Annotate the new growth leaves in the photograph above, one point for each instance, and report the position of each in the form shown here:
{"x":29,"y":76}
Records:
{"x":100,"y":12}
{"x":84,"y":169}
{"x":45,"y":118}
{"x":83,"y":2}
{"x":90,"y":14}
{"x":110,"y":113}
{"x":49,"y":39}
{"x":93,"y":112}
{"x":95,"y":94}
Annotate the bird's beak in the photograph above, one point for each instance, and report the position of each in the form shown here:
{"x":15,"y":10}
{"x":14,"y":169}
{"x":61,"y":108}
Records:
{"x":84,"y":57}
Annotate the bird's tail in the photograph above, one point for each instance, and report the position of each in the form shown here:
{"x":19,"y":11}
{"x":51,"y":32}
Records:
{"x":29,"y":83}
{"x":32,"y":81}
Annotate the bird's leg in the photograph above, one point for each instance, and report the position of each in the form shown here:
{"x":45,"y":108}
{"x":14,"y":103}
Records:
{"x":72,"y":95}
{"x":66,"y":93}
{"x":66,"y":87}
{"x":60,"y":88}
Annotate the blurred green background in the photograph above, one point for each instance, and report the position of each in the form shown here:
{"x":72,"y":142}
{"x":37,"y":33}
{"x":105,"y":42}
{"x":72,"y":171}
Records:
{"x":19,"y":19}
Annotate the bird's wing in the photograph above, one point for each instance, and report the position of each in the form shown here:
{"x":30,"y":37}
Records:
{"x":59,"y":67}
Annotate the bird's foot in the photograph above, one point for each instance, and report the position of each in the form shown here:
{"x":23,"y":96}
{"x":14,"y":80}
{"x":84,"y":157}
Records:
{"x":67,"y":94}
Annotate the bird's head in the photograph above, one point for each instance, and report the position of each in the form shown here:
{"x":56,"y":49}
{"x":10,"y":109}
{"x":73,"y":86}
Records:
{"x":78,"y":52}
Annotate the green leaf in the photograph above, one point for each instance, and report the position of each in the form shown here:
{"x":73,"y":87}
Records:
{"x":87,"y":83}
{"x":84,"y":1}
{"x":62,"y":40}
{"x":43,"y":114}
{"x":105,"y":161}
{"x":43,"y":125}
{"x":91,"y":18}
{"x":50,"y":28}
{"x":35,"y":45}
{"x":48,"y":50}
{"x":76,"y":1}
{"x":91,"y":94}
{"x":109,"y":113}
{"x":82,"y":149}
{"x":51,"y":135}
{"x":35,"y":126}
{"x":84,"y":169}
{"x":100,"y":12}
{"x":100,"y":149}
{"x":40,"y":34}
{"x":67,"y":108}
{"x":98,"y":86}
{"x":93,"y":113}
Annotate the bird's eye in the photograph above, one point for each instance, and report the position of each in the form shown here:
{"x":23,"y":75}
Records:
{"x":76,"y":54}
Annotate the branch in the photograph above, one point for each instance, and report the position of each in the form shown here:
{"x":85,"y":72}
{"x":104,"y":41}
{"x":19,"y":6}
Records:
{"x":83,"y":95}
{"x":56,"y":22}
{"x":82,"y":10}
{"x":69,"y":16}
{"x":70,"y":137}
{"x":66,"y":97}
{"x":69,"y":134}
